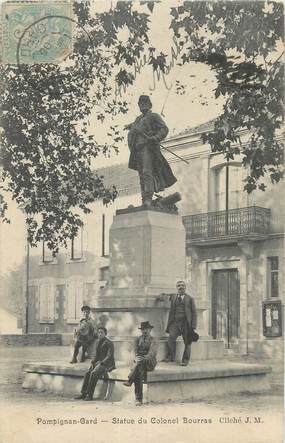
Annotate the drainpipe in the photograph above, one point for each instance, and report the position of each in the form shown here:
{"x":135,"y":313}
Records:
{"x":27,"y":282}
{"x":103,"y":235}
{"x":22,"y":208}
{"x":227,"y":199}
{"x":247,"y":304}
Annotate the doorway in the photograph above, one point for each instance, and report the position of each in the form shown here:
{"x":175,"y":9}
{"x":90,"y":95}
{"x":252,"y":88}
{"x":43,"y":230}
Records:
{"x":226,"y":306}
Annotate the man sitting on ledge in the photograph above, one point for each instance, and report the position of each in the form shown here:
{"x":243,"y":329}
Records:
{"x":100,"y":365}
{"x":145,"y":360}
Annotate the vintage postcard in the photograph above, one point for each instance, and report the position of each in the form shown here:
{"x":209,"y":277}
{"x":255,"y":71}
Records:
{"x":142,"y":230}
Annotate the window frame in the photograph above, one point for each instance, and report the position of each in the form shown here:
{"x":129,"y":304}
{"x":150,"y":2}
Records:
{"x":104,"y":274}
{"x":43,"y":301}
{"x":70,"y":256}
{"x":74,"y":287}
{"x":271,"y":274}
{"x":44,"y":260}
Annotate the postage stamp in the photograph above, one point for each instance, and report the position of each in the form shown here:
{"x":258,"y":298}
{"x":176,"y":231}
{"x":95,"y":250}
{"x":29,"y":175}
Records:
{"x":36,"y":32}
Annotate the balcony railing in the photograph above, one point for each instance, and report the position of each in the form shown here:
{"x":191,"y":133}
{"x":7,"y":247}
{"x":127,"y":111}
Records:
{"x":250,"y":221}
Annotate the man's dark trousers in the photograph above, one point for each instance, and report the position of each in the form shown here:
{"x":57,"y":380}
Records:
{"x":90,"y":380}
{"x":77,"y":346}
{"x":138,"y":376}
{"x":175,"y":330}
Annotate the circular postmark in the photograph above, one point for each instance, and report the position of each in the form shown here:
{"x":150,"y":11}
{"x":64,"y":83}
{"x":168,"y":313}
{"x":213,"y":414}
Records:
{"x":45,"y":45}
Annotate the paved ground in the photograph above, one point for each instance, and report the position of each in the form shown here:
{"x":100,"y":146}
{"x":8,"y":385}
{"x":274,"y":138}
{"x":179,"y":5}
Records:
{"x":32,"y":417}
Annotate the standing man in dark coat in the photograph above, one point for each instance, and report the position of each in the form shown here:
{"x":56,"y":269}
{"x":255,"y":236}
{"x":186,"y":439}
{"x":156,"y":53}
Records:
{"x":182,"y":320}
{"x":144,"y":138}
{"x":100,"y":365}
{"x":145,"y":360}
{"x":85,"y":334}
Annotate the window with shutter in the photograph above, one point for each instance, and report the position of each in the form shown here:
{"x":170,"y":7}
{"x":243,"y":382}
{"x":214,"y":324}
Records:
{"x":46,"y":302}
{"x":71,"y":301}
{"x":75,"y":292}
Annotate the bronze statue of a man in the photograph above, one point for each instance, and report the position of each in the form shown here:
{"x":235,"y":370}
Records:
{"x":144,"y":138}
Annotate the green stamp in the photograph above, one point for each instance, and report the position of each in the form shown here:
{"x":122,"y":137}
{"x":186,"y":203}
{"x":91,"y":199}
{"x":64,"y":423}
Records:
{"x":36,"y":32}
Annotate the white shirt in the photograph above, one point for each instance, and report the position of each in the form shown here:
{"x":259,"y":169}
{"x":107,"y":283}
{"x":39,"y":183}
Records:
{"x":181,"y":295}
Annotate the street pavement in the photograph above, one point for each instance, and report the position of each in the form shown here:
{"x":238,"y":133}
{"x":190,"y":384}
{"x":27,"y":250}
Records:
{"x":28,"y":417}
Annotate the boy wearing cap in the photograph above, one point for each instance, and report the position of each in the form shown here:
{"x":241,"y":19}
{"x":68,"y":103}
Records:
{"x":84,"y":335}
{"x":144,"y":137}
{"x":145,"y":360}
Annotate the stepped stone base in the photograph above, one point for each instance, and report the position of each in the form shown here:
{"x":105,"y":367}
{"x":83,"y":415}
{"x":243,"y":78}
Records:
{"x":204,"y":349}
{"x":169,"y":382}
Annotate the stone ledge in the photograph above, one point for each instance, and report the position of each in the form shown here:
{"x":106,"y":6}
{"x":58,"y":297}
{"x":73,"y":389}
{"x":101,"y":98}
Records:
{"x":205,"y":370}
{"x":168,"y":382}
{"x":120,"y":301}
{"x":133,"y":209}
{"x":163,"y":372}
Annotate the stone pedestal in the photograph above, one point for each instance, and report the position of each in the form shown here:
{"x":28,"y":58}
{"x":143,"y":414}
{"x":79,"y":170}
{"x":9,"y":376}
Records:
{"x":147,"y":257}
{"x":147,"y":253}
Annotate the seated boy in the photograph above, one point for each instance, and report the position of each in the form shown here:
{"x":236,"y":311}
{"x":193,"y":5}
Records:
{"x":84,"y":335}
{"x":145,"y":360}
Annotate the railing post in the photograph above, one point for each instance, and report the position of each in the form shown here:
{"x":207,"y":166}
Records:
{"x":227,"y":199}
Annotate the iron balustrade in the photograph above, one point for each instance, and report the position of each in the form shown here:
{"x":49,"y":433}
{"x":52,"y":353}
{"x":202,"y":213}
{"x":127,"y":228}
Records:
{"x":234,"y":222}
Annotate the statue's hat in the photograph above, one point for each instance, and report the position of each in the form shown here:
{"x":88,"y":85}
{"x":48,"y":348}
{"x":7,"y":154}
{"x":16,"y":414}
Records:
{"x":144,"y":99}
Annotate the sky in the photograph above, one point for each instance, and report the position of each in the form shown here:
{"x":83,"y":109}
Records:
{"x":195,"y":107}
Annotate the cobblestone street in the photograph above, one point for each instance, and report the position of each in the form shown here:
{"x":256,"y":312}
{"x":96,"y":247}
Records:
{"x":12,"y":359}
{"x":28,"y":417}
